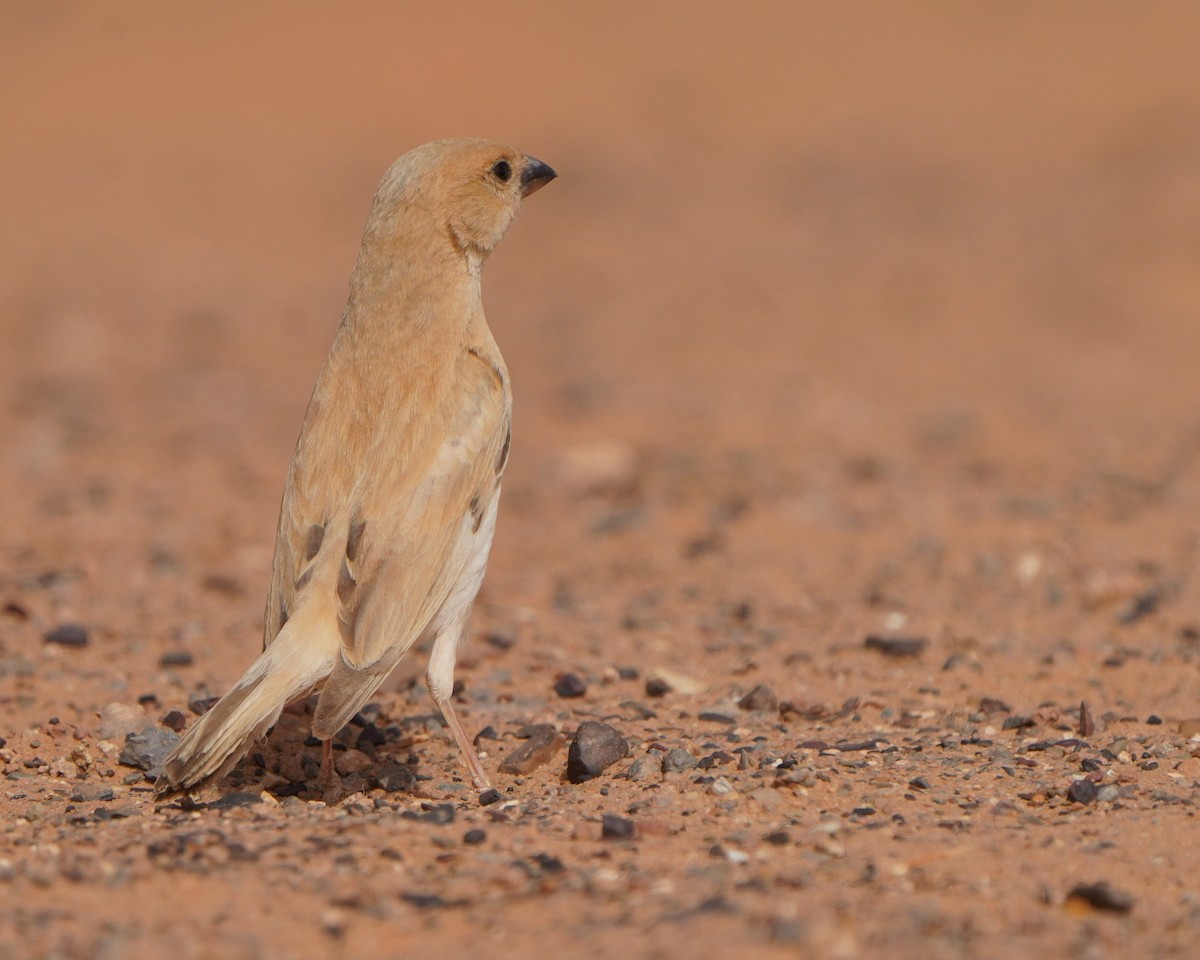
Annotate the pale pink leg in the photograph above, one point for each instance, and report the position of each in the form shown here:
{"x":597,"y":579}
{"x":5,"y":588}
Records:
{"x":328,"y":780}
{"x":478,"y":776}
{"x":439,"y":677}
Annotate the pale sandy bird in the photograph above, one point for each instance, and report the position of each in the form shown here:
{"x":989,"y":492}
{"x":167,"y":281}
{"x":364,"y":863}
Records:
{"x":390,"y":502}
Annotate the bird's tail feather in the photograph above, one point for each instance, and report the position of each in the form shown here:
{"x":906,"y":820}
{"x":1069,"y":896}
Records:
{"x":287,"y":670}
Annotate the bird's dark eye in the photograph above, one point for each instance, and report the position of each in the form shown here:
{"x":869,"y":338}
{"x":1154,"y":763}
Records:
{"x":502,"y":170}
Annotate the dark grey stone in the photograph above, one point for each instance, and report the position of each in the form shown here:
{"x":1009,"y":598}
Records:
{"x":147,"y":749}
{"x":678,"y":760}
{"x":595,"y":747}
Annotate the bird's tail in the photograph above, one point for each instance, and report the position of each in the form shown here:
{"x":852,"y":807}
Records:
{"x":290,"y":668}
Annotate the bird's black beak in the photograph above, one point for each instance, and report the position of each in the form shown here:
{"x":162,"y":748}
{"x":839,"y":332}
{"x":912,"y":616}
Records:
{"x":535,"y":176}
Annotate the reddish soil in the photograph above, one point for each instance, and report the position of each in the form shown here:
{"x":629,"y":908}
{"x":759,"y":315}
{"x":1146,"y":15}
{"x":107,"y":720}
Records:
{"x":835,"y":326}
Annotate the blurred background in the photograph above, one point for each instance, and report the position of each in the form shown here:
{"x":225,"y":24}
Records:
{"x":920,"y":272}
{"x":841,"y":321}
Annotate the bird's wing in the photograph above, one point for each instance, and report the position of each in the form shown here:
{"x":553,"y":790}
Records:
{"x":314,"y":486}
{"x":395,"y":575}
{"x":407,"y":533}
{"x":285,"y":572}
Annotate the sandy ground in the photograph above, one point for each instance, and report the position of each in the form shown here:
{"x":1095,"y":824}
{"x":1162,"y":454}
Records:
{"x":836,"y":327}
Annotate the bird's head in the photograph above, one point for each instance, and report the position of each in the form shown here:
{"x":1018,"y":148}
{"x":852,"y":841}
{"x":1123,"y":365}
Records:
{"x":473,"y":188}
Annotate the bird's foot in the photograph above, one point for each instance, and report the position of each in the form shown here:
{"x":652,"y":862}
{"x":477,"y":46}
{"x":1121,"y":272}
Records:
{"x":328,"y":780}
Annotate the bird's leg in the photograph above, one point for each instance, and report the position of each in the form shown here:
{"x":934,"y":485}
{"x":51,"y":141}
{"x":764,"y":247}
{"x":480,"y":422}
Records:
{"x":328,"y":780}
{"x":440,"y":680}
{"x":478,"y":776}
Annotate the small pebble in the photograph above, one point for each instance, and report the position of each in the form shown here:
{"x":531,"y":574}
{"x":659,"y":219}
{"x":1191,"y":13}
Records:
{"x":222,"y":583}
{"x":761,"y":698}
{"x":439,"y":814}
{"x":548,"y":863}
{"x":1141,"y":606}
{"x":1087,"y":723}
{"x":15,"y":610}
{"x":570,"y":685}
{"x":732,"y":854}
{"x":647,"y":768}
{"x":657,"y":687}
{"x":638,"y":710}
{"x":595,"y":747}
{"x":543,"y":743}
{"x":115,"y":813}
{"x":474,"y":837}
{"x":716,"y":759}
{"x":618,"y":828}
{"x":175,"y":720}
{"x":394,"y":777}
{"x":424,"y":901}
{"x":1083,"y":791}
{"x":488,"y":797}
{"x":232,"y":801}
{"x":68,"y":635}
{"x":896,"y":646}
{"x":201,"y":705}
{"x":501,"y":639}
{"x":147,"y":750}
{"x":1100,"y":896}
{"x":853,"y":746}
{"x":90,"y":792}
{"x":678,"y":760}
{"x":176,"y":658}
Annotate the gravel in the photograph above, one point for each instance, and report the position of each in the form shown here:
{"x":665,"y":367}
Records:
{"x":595,"y":747}
{"x":542,"y":744}
{"x":67,"y":635}
{"x":147,"y":750}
